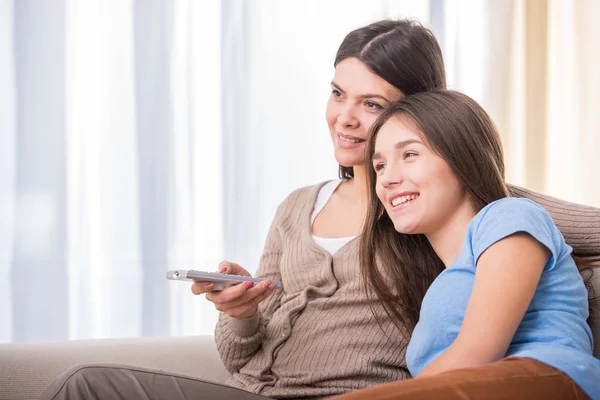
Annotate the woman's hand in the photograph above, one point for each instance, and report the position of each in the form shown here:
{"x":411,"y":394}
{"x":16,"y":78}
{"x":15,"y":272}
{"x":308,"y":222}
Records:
{"x":239,"y":300}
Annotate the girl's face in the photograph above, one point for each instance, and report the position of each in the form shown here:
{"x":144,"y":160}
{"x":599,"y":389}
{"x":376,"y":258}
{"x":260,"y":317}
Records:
{"x":418,"y":189}
{"x":357,"y":98}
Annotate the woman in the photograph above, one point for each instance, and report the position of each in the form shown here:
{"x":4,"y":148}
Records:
{"x":316,"y":336}
{"x":504,"y":307}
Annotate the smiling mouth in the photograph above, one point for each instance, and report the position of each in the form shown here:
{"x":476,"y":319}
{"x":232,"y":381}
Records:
{"x":350,"y":139}
{"x":403,"y":200}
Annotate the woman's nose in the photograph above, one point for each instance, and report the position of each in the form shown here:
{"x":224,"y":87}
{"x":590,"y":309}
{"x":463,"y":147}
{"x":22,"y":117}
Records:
{"x":347,"y":118}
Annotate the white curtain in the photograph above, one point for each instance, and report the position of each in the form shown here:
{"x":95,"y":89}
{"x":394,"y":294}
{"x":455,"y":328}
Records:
{"x":138,"y":136}
{"x":533,"y":65}
{"x":7,"y":165}
{"x":111,"y":167}
{"x":573,"y":120}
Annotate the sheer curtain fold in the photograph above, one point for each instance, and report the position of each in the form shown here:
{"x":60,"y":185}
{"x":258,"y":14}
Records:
{"x":573,"y":123}
{"x":37,"y":264}
{"x":153,"y":51}
{"x":102,"y":174}
{"x":561,"y":121}
{"x":7,"y":164}
{"x":195,"y":210}
{"x":588,"y":30}
{"x":529,"y":63}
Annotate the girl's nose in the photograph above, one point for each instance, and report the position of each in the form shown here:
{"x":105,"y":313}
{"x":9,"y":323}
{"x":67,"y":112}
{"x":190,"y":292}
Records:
{"x":391,"y":177}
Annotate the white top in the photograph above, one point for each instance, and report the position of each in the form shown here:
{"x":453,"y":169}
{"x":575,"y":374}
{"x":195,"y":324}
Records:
{"x":332,"y":245}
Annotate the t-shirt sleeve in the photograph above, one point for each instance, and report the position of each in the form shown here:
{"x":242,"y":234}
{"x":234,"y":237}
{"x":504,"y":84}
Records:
{"x":510,"y":216}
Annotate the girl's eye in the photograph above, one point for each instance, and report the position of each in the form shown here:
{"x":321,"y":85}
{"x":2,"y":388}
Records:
{"x":373,"y":105}
{"x":409,"y":154}
{"x":336,"y":93}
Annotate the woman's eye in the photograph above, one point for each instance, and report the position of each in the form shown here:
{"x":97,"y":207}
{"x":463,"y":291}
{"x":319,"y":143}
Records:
{"x":379,"y":167}
{"x":373,"y":105}
{"x":409,"y":154}
{"x":336,"y":93}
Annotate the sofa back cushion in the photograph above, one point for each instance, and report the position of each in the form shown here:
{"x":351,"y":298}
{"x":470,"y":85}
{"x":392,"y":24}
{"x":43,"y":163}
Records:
{"x":591,"y":274}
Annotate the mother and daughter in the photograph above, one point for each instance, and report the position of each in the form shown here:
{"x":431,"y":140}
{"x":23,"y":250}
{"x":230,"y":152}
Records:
{"x":418,"y":274}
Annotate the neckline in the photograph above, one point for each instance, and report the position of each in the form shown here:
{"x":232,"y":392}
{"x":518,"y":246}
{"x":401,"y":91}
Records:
{"x":307,"y":229}
{"x":337,"y":238}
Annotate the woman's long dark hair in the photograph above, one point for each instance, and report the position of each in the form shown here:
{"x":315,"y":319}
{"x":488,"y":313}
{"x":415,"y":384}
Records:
{"x":403,"y":53}
{"x":399,"y":268}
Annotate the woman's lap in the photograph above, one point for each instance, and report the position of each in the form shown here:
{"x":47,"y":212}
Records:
{"x":113,"y":381}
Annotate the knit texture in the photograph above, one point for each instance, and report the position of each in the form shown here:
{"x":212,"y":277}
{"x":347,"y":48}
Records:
{"x":317,"y":335}
{"x":580,"y":225}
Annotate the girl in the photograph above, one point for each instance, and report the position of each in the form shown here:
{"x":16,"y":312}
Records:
{"x":504,"y":308}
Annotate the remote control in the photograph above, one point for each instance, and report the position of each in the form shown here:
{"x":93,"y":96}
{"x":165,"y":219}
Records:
{"x":219,"y":280}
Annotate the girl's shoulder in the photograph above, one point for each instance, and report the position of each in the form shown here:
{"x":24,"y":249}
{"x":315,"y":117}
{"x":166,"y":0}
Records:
{"x":511,"y":209}
{"x":508,"y":216}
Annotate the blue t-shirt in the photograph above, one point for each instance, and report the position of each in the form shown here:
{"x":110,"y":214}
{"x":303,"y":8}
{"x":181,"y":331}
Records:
{"x":554,"y":329}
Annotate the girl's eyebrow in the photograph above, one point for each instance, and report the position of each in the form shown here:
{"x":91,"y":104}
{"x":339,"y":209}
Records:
{"x":398,"y":146}
{"x":402,"y":144}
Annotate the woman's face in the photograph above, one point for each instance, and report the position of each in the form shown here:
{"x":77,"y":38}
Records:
{"x":357,"y":98}
{"x":418,"y":189}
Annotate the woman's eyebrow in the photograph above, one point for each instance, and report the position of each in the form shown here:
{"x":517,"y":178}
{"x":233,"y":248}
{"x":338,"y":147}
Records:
{"x":364,"y":96}
{"x":335,"y":85}
{"x":375,"y":96}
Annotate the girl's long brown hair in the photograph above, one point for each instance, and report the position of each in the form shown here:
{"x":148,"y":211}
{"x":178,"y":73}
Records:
{"x":399,"y":268}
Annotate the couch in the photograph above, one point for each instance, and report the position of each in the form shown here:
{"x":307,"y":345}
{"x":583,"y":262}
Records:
{"x":27,"y":368}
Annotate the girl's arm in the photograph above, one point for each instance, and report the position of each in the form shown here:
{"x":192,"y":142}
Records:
{"x":506,"y":278}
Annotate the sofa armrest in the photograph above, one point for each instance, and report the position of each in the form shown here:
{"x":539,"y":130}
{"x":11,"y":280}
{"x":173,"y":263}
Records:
{"x":26,"y":369}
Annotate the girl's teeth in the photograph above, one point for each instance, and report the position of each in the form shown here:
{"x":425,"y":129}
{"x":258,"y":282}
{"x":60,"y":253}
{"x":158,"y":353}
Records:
{"x":403,"y":199}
